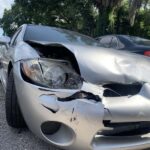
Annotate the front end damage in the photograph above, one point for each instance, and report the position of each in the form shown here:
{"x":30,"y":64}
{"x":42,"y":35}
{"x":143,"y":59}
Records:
{"x":95,"y":116}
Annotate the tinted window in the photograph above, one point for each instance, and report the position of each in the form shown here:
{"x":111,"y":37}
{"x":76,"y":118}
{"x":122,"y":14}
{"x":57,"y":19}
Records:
{"x":51,"y":34}
{"x":105,"y":41}
{"x":14,"y":38}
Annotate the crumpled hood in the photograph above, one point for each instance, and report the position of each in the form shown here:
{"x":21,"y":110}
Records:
{"x":100,"y":65}
{"x":103,"y":65}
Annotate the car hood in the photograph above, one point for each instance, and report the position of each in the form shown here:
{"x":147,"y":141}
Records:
{"x":111,"y":66}
{"x":100,"y":65}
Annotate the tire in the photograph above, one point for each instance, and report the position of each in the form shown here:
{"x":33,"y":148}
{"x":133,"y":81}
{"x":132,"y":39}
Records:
{"x":14,"y":117}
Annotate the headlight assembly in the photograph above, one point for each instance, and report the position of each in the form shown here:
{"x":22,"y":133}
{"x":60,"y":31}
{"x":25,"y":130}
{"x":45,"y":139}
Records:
{"x":56,"y":74}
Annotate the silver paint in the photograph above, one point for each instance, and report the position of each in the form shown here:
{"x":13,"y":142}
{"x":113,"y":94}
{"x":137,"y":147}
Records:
{"x":108,"y":66}
{"x":82,"y":119}
{"x":79,"y":128}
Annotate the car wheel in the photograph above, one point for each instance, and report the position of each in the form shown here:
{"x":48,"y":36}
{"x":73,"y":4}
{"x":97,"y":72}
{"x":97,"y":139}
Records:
{"x":13,"y":114}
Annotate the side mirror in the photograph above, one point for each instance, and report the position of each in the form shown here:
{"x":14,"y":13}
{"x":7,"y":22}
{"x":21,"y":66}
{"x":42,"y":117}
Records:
{"x":5,"y":40}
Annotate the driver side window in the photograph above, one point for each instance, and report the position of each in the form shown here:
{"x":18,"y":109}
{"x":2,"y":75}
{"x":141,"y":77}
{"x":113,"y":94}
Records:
{"x":15,"y":38}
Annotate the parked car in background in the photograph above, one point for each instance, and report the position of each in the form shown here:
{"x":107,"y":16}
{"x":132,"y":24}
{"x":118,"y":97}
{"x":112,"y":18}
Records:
{"x":127,"y":43}
{"x":73,"y":93}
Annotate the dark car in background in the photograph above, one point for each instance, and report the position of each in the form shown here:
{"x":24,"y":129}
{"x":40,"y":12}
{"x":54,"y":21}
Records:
{"x":127,"y":43}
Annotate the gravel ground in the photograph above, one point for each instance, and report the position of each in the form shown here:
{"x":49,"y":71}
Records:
{"x":13,"y":139}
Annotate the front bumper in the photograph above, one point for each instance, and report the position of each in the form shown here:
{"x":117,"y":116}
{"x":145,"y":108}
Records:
{"x":81,"y":119}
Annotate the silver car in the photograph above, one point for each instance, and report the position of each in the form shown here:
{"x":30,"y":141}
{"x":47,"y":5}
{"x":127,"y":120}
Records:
{"x":73,"y":93}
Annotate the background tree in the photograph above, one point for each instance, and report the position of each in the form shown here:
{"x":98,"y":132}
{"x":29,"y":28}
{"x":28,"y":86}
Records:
{"x":106,"y":13}
{"x":134,"y":7}
{"x":91,"y":17}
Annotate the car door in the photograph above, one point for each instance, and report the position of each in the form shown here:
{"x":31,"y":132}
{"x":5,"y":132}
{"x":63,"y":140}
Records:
{"x":3,"y":63}
{"x":6,"y":53}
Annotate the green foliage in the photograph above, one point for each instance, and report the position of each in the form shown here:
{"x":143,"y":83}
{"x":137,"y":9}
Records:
{"x":142,"y":24}
{"x":68,"y":14}
{"x":91,"y":17}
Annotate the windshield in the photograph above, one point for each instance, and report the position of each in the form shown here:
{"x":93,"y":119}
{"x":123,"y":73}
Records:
{"x":52,"y":34}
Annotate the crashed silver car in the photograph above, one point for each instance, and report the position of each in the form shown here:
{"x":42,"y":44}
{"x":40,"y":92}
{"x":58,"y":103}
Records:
{"x":73,"y":93}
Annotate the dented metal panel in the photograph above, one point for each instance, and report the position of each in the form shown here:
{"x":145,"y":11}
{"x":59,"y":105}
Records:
{"x":133,"y":108}
{"x":100,"y":65}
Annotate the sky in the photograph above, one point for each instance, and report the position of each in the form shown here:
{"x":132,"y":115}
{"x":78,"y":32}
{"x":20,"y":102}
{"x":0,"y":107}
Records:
{"x":4,"y":4}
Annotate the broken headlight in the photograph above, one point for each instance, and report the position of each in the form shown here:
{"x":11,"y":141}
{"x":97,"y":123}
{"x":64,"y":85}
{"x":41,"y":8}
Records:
{"x":57,"y":74}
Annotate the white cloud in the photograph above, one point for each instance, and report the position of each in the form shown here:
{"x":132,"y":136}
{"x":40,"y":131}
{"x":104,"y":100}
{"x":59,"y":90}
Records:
{"x":5,"y":4}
